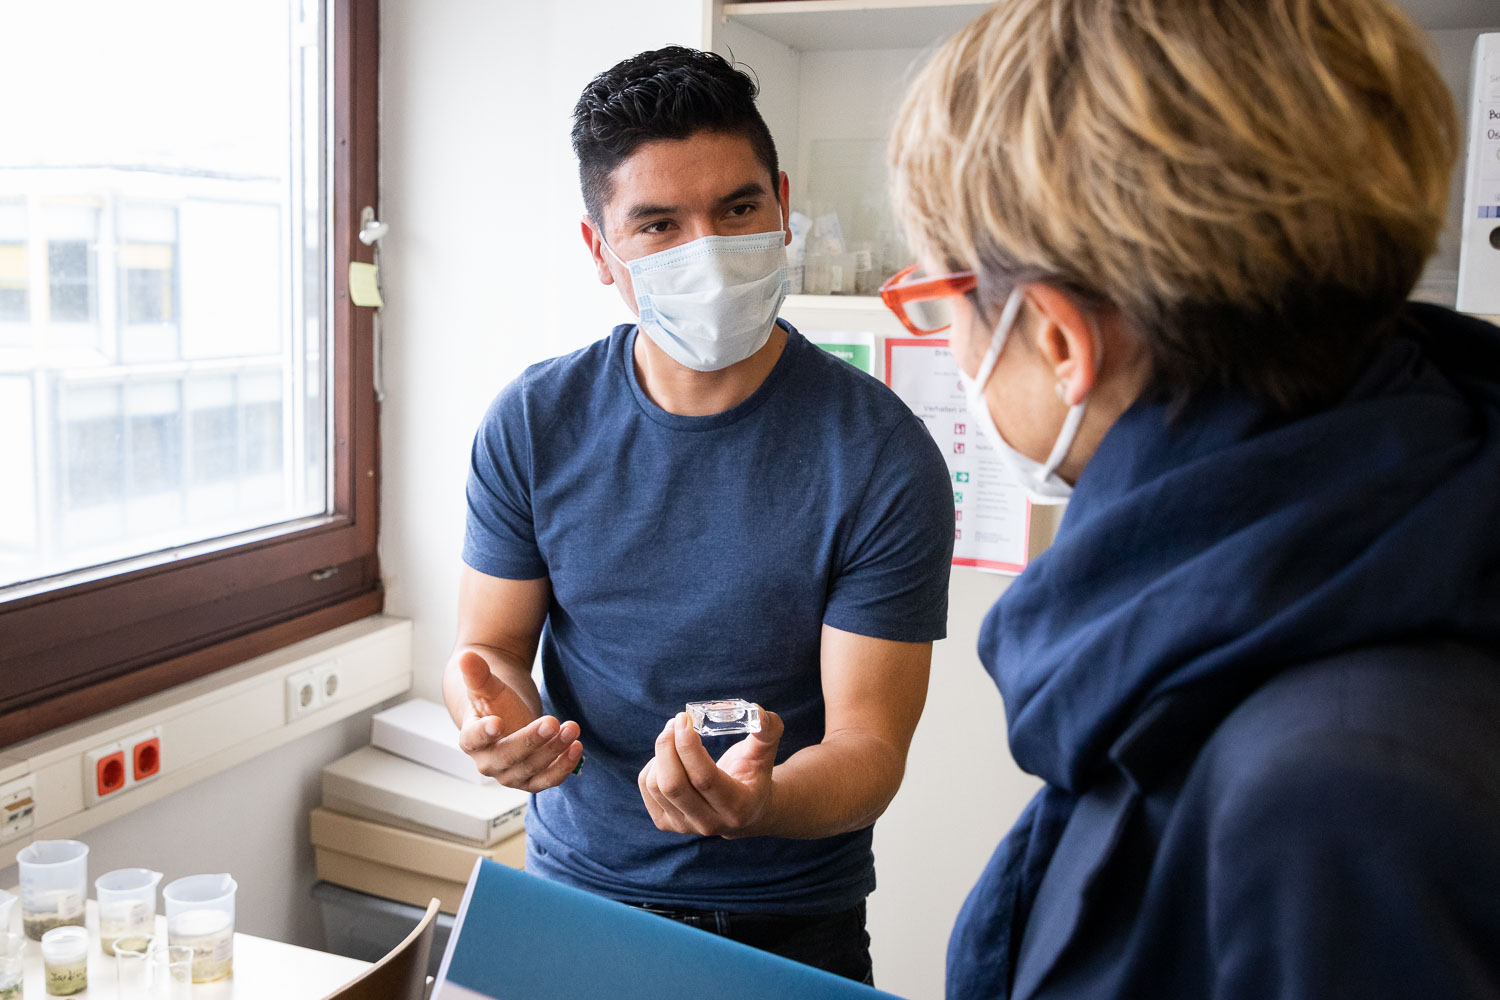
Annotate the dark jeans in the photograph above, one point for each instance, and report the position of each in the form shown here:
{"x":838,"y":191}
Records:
{"x":834,"y":942}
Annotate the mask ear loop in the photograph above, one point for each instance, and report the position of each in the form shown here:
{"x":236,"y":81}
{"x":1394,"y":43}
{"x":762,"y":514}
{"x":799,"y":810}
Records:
{"x":1070,"y":425}
{"x":999,"y":337}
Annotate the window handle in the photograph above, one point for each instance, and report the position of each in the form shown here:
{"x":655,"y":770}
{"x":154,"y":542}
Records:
{"x":370,"y":230}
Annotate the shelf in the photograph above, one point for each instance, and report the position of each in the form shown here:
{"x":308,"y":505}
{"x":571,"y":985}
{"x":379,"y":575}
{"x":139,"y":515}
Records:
{"x":843,"y":303}
{"x":827,"y":25}
{"x":831,"y":25}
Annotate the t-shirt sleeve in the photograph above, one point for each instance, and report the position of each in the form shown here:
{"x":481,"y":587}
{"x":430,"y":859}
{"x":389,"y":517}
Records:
{"x":500,"y":533}
{"x":892,"y":581}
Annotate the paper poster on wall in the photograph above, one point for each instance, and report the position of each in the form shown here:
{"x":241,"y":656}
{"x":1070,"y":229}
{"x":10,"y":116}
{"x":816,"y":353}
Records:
{"x":992,"y":516}
{"x":856,"y":348}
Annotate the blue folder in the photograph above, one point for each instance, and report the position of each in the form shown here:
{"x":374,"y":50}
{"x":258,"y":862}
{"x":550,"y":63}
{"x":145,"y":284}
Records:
{"x":520,"y":937}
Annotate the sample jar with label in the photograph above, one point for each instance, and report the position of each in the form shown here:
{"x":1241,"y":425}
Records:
{"x":65,"y":960}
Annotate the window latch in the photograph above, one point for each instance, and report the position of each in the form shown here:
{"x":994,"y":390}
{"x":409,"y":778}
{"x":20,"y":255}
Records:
{"x":370,"y":229}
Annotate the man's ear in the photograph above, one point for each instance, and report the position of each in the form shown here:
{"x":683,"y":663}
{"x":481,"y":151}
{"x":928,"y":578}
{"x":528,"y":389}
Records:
{"x":1066,"y":340}
{"x":784,"y":200}
{"x":595,"y":243}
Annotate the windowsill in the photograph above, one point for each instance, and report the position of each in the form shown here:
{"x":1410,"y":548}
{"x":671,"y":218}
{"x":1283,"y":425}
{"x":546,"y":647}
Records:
{"x":206,"y":726}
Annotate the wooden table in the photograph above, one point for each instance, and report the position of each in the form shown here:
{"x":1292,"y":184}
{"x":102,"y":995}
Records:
{"x":263,"y":969}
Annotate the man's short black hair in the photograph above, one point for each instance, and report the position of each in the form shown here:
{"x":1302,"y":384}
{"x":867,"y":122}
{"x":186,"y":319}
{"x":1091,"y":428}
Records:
{"x":669,"y":93}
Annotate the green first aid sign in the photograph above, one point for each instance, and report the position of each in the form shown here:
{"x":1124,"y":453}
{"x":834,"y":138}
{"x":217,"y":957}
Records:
{"x":858,"y":355}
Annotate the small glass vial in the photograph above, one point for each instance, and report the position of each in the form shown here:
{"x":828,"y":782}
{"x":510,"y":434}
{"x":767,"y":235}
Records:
{"x":724,"y":717}
{"x":65,"y":960}
{"x":12,"y":965}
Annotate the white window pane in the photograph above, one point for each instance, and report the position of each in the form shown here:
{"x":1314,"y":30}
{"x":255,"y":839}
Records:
{"x":162,"y":258}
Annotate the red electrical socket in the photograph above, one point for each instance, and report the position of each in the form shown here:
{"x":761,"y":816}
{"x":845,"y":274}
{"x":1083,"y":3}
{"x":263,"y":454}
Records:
{"x":109,"y":773}
{"x":145,"y":758}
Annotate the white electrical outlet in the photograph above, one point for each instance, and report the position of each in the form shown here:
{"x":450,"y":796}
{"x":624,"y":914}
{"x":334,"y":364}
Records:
{"x":302,"y":694}
{"x":330,"y":681}
{"x":17,"y":807}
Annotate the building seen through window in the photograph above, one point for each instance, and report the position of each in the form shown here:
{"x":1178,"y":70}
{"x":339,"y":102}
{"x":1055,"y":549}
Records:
{"x":163,"y":316}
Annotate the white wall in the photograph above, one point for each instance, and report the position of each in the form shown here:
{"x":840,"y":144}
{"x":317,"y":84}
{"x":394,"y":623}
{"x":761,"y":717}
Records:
{"x":250,"y":821}
{"x":484,"y":270}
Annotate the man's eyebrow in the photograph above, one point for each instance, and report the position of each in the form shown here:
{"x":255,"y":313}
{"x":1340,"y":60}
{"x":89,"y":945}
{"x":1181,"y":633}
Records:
{"x":744,"y":191}
{"x":642,"y":212}
{"x":638,"y":213}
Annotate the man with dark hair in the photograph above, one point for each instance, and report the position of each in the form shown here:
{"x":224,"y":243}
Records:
{"x":716,"y":509}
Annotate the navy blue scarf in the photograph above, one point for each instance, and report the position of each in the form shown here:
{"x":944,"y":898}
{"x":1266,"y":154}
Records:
{"x":1201,"y":553}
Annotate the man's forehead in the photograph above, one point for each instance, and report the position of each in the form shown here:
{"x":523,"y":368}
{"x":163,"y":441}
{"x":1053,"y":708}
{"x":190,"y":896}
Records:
{"x":685,"y":174}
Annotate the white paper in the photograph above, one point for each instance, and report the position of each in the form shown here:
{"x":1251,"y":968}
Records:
{"x":992,"y":517}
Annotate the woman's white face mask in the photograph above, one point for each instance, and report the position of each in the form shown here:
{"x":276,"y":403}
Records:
{"x":1040,"y":479}
{"x":711,"y":303}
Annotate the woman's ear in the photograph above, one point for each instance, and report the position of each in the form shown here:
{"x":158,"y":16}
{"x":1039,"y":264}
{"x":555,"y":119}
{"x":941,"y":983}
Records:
{"x":1064,"y":336}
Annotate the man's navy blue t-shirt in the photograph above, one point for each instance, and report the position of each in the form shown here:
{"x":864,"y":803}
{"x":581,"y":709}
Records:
{"x":700,"y":557}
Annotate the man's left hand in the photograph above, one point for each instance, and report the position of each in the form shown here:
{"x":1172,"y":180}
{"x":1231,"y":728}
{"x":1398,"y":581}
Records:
{"x":686,"y":792}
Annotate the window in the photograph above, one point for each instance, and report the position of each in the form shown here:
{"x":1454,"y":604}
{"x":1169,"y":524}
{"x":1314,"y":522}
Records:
{"x":15,"y":276}
{"x":148,"y":265}
{"x":190,"y":436}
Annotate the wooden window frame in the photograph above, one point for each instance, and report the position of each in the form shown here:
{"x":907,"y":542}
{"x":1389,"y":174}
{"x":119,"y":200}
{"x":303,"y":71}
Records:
{"x":70,"y":653}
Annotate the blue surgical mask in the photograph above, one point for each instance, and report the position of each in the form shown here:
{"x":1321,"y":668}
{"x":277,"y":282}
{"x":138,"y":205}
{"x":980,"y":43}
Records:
{"x":711,"y":303}
{"x":1040,"y":479}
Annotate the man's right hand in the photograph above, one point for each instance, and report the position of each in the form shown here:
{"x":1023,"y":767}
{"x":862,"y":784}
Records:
{"x":505,"y":738}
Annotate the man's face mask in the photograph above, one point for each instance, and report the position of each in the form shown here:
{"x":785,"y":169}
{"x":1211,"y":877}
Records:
{"x":710,"y":303}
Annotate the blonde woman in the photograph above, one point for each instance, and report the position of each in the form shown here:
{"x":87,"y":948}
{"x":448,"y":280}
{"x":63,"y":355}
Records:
{"x":1257,"y":670}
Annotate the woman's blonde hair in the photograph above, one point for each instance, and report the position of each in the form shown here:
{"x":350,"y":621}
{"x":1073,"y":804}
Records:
{"x":1254,"y":184}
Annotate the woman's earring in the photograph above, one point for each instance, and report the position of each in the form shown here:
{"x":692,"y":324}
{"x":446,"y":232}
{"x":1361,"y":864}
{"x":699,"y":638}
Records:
{"x":1061,"y":392}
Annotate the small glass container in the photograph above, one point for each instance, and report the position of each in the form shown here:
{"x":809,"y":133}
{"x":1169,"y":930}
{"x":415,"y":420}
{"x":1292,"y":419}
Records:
{"x":841,"y":273}
{"x":133,"y":967}
{"x":724,"y":717}
{"x":171,"y":972}
{"x":12,"y":965}
{"x":865,"y":282}
{"x":65,"y":960}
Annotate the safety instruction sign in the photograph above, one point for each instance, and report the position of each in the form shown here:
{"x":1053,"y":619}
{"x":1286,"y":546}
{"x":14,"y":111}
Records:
{"x":992,"y":515}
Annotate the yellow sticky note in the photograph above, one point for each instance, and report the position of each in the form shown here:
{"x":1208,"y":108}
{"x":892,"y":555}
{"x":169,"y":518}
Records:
{"x":364,"y":284}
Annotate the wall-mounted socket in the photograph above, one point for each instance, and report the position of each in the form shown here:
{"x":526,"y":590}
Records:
{"x":311,"y":689}
{"x":105,"y":772}
{"x":302,"y":696}
{"x":330,"y":682}
{"x":143,"y":751}
{"x":17,"y":807}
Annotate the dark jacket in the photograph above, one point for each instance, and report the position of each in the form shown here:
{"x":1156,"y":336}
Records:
{"x":1258,"y":674}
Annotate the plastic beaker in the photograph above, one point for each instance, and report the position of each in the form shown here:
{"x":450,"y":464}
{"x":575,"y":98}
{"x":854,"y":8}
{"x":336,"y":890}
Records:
{"x":54,"y":882}
{"x":12,"y":964}
{"x":127,"y":905}
{"x":200,"y":916}
{"x":7,"y":903}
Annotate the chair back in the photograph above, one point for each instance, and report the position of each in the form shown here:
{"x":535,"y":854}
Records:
{"x":401,"y":974}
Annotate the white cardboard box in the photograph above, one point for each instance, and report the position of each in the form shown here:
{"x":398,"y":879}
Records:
{"x":422,"y":731}
{"x":376,"y":785}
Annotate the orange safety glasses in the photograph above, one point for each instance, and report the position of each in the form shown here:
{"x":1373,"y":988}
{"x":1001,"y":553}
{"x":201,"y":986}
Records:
{"x":921,"y":302}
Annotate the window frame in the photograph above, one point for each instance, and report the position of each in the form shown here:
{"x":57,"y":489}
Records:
{"x":73,"y":652}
